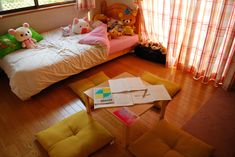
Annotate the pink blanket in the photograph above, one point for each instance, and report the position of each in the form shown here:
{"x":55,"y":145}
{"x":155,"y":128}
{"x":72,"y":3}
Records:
{"x":97,"y":36}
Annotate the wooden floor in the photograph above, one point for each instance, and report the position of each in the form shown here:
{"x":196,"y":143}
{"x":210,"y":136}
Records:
{"x":19,"y":120}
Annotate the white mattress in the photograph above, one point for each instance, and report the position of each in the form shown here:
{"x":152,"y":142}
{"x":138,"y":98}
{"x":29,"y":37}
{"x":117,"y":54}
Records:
{"x":56,"y":58}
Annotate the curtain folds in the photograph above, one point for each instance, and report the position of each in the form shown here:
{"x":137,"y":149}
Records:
{"x":85,"y":4}
{"x":199,"y":34}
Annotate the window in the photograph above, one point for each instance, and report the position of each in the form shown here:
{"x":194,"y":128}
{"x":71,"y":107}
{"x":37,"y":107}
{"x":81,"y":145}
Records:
{"x":9,"y":6}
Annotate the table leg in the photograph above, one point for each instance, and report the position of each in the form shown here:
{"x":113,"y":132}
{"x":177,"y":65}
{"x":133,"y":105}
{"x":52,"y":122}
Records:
{"x":88,"y":106}
{"x":127,"y":138}
{"x":163,"y":110}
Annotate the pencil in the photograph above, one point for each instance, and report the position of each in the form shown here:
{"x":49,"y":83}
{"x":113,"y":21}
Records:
{"x":145,"y":92}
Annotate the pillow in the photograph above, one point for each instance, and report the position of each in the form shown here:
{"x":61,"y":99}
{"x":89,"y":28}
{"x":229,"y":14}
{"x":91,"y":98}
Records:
{"x":36,"y":35}
{"x":9,"y":44}
{"x":78,"y":135}
{"x":97,"y":36}
{"x":82,"y":85}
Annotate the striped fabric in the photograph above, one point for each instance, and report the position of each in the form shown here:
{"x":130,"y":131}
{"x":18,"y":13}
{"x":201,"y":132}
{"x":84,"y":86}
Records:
{"x":198,"y":34}
{"x":85,"y":4}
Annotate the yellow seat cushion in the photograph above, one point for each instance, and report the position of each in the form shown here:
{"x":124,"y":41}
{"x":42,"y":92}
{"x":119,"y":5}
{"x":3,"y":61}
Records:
{"x":99,"y":78}
{"x":171,"y":87}
{"x":82,"y":85}
{"x":77,"y":135}
{"x":165,"y":140}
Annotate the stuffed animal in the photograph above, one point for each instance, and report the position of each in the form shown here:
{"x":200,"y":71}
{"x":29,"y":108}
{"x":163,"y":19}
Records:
{"x":128,"y":30}
{"x":24,"y":35}
{"x":96,"y":23}
{"x":66,"y":31}
{"x":101,"y":17}
{"x":80,"y":26}
{"x":114,"y":23}
{"x":113,"y":34}
{"x":128,"y":18}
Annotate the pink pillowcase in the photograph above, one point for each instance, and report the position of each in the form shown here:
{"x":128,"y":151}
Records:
{"x":97,"y":36}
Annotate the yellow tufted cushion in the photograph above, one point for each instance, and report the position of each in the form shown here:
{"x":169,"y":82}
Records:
{"x":167,"y":141}
{"x":77,"y":135}
{"x":82,"y":85}
{"x":99,"y":78}
{"x":171,"y":87}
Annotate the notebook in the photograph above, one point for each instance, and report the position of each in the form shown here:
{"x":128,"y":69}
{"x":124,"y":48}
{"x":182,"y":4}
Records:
{"x":125,"y":115}
{"x":126,"y":85}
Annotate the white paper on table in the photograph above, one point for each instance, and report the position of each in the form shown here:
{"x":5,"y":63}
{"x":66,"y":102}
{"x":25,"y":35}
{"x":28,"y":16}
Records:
{"x":126,"y":84}
{"x":137,"y":97}
{"x":159,"y":92}
{"x":154,"y":93}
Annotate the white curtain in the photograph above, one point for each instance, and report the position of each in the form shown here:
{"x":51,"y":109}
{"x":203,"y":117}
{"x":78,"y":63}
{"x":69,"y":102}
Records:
{"x":85,"y":4}
{"x":198,"y":34}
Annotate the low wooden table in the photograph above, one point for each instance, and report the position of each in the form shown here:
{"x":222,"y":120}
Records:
{"x":138,"y":109}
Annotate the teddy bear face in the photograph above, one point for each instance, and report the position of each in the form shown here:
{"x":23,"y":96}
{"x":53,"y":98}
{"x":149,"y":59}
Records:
{"x":128,"y":20}
{"x":80,"y":26}
{"x":21,"y":33}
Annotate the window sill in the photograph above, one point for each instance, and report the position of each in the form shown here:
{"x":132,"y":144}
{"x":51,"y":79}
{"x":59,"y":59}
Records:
{"x":36,"y":10}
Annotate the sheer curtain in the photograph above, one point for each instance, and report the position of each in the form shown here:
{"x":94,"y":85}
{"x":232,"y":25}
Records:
{"x":198,"y":34}
{"x":85,"y":4}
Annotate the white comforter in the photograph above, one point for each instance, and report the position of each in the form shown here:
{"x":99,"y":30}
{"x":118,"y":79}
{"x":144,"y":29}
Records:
{"x":56,"y":58}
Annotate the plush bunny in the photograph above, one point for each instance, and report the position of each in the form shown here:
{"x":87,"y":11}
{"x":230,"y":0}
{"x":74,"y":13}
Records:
{"x":80,"y":26}
{"x":24,"y":35}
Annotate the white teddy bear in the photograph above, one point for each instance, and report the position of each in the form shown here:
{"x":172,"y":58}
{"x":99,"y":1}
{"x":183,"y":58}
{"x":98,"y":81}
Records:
{"x":24,"y":35}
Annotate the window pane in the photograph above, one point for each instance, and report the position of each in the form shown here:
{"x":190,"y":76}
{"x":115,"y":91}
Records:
{"x":15,"y":4}
{"x":43,"y":2}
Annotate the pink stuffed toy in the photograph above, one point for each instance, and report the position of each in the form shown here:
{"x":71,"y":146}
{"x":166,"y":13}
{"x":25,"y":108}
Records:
{"x":81,"y":26}
{"x":24,"y":35}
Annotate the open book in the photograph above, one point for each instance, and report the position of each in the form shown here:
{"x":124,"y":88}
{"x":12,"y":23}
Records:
{"x":126,"y":84}
{"x":154,"y":93}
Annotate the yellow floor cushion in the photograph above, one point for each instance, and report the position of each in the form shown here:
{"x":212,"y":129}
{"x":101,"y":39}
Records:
{"x":166,"y":140}
{"x":171,"y":87}
{"x":76,"y":136}
{"x":82,"y":85}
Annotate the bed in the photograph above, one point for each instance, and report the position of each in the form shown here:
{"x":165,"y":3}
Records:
{"x":56,"y":58}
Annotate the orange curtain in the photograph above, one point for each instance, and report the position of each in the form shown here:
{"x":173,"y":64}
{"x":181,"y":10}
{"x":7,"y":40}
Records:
{"x":85,"y":4}
{"x":198,"y":34}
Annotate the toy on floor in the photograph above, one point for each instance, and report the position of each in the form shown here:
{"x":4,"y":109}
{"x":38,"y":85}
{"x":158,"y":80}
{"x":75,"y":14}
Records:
{"x":66,"y":31}
{"x":80,"y":26}
{"x":24,"y":35}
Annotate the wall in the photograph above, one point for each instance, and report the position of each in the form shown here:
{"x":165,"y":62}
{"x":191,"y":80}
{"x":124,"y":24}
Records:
{"x":43,"y":20}
{"x":50,"y":19}
{"x":127,"y":2}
